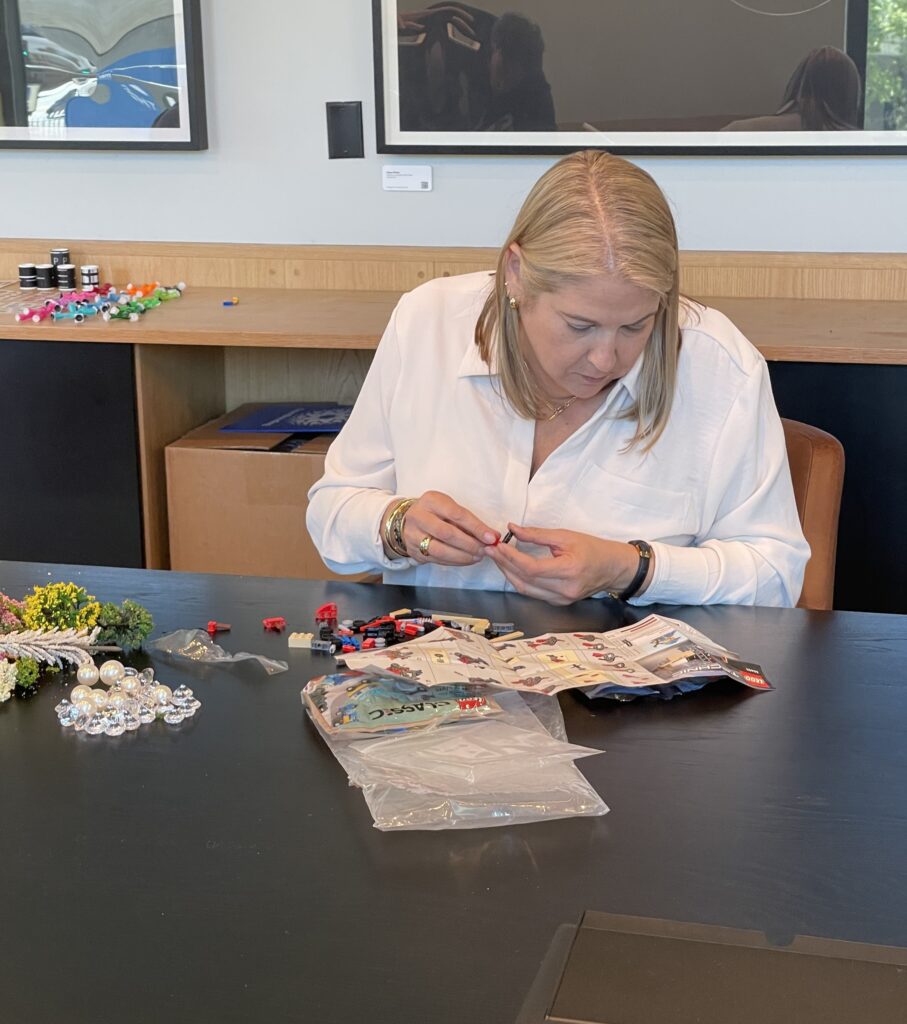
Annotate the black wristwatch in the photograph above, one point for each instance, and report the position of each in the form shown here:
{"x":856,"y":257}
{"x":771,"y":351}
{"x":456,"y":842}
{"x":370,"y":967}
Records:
{"x":645,"y":558}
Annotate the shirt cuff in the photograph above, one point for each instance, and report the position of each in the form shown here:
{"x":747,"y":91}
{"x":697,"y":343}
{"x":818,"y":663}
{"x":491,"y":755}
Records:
{"x":681,"y":575}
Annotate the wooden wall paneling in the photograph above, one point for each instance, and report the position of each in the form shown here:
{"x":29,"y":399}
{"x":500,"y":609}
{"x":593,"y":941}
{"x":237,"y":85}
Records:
{"x":358,"y":275}
{"x":450,"y":268}
{"x":852,"y":276}
{"x":177,"y":388}
{"x":293,"y":375}
{"x":861,"y":276}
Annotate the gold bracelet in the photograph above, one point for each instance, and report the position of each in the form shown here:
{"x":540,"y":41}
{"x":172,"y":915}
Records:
{"x":393,"y":527}
{"x":399,"y":524}
{"x":388,"y":538}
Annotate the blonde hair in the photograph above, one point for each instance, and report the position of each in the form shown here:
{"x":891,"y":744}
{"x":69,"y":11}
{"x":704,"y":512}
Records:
{"x":591,"y":213}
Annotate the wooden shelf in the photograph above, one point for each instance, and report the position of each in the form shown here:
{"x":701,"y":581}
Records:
{"x":790,"y":330}
{"x":264,"y":318}
{"x":821,"y":330}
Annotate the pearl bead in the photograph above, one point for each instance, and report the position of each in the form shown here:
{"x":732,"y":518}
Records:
{"x":80,"y":692}
{"x":99,"y":697}
{"x":129,"y":683}
{"x":116,"y":699}
{"x":111,"y":672}
{"x":88,"y":674}
{"x":86,"y":707}
{"x":162,"y":693}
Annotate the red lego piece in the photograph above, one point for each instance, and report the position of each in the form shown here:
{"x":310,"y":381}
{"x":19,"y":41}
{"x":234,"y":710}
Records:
{"x":368,"y":644}
{"x":382,"y":620}
{"x":276,"y":623}
{"x":327,"y":614}
{"x":217,"y":627}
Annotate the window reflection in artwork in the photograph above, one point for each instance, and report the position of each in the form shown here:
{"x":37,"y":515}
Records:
{"x":638,"y":66}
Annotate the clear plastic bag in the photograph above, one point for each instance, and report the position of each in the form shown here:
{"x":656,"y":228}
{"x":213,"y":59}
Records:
{"x":481,"y":757}
{"x":197,"y":645}
{"x":456,"y":776}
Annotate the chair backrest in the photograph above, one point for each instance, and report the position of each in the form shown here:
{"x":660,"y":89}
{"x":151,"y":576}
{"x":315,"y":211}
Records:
{"x":817,"y":470}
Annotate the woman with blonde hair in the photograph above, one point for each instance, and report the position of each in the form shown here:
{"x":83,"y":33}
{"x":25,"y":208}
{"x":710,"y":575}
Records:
{"x":623,"y":440}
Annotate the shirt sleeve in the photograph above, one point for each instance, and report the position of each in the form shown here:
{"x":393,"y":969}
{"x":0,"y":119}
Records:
{"x":347,"y":504}
{"x":754,"y":551}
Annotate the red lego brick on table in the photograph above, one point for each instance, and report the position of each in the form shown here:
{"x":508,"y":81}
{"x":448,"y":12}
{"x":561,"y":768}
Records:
{"x":327,"y":614}
{"x":276,"y":623}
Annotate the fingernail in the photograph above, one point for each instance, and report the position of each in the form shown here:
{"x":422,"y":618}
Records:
{"x":490,"y":538}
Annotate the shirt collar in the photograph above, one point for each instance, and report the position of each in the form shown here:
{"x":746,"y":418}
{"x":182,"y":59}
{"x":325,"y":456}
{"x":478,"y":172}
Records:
{"x":630,"y":380}
{"x":472,"y":364}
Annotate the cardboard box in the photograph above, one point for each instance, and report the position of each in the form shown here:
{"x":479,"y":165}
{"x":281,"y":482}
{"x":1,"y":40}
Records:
{"x":237,"y":506}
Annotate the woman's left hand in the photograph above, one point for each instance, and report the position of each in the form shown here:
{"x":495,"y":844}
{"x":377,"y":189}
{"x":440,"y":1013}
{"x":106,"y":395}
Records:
{"x":579,"y":564}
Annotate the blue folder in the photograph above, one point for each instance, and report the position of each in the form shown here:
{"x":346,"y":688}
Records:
{"x":294,"y":418}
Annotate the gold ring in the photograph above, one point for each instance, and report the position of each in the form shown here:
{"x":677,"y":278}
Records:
{"x":424,"y":545}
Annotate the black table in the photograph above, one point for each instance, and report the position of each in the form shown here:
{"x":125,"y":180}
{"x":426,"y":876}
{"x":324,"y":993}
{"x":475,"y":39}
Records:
{"x":223,"y":871}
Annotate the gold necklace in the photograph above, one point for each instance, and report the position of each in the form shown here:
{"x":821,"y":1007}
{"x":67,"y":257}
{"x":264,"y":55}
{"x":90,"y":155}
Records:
{"x":560,"y":409}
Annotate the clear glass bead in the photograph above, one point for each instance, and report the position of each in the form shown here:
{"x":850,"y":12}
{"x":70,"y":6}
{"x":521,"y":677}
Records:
{"x":181,"y":695}
{"x":146,"y":715}
{"x":130,"y":671}
{"x":115,"y":726}
{"x":173,"y":716}
{"x":130,"y":721}
{"x":146,"y":676}
{"x":96,"y":725}
{"x":63,"y":708}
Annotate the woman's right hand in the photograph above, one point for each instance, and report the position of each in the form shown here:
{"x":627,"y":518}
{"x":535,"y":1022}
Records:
{"x":456,"y":536}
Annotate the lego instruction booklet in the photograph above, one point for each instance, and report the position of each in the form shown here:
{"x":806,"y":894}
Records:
{"x":652,"y":652}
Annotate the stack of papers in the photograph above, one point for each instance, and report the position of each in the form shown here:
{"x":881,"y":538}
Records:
{"x":652,"y":654}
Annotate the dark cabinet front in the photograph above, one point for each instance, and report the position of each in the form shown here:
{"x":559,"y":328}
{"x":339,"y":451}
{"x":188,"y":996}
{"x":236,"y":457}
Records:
{"x":69,"y":470}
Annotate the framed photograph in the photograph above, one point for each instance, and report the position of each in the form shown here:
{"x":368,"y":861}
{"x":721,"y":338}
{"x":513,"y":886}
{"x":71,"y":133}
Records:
{"x":641,"y":76}
{"x":101,"y":74}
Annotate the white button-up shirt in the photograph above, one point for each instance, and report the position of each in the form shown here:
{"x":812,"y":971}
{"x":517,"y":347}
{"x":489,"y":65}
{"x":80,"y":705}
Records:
{"x":713,"y":496}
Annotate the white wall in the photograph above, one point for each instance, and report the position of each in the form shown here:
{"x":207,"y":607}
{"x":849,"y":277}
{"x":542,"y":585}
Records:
{"x":266,"y":177}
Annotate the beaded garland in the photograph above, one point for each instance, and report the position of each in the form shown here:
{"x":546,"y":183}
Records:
{"x":125,"y":701}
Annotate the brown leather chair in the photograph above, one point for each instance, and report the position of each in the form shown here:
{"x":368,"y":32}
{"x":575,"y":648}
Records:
{"x":817,"y":470}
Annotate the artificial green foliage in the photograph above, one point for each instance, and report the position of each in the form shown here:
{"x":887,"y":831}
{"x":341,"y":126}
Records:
{"x":60,"y":606}
{"x":127,"y":626}
{"x":26,"y":673}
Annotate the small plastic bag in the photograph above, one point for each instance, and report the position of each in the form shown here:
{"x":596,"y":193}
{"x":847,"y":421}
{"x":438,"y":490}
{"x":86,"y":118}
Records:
{"x":466,"y":782}
{"x":358,"y":703}
{"x":197,"y":645}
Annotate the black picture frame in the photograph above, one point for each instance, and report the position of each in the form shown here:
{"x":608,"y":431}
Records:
{"x":391,"y":139}
{"x":192,"y":136}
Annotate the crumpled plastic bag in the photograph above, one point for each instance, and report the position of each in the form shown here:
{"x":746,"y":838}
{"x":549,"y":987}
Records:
{"x":197,"y":645}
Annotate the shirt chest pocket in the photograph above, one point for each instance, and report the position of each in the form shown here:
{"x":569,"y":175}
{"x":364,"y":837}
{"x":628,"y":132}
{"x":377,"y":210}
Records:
{"x":611,"y":506}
